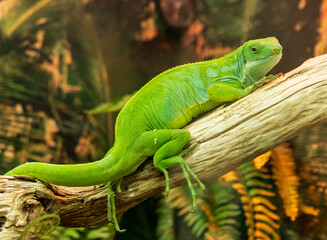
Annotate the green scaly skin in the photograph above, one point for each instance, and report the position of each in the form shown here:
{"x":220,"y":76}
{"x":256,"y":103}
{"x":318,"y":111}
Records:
{"x":149,"y":124}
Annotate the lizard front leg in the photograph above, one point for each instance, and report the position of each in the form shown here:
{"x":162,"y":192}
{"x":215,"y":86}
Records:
{"x":223,"y":92}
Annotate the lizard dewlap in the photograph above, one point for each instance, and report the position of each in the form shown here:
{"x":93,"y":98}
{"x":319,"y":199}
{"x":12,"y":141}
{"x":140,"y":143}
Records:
{"x":149,"y":124}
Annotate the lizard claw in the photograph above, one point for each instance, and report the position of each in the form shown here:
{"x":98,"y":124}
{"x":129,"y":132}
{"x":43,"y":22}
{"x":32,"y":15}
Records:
{"x":192,"y":211}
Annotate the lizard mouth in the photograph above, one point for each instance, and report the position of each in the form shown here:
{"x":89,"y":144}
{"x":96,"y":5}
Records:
{"x":279,"y":55}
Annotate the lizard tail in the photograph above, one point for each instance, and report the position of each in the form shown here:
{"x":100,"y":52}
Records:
{"x":72,"y":175}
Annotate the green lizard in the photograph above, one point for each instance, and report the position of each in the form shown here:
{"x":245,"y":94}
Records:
{"x":149,"y":124}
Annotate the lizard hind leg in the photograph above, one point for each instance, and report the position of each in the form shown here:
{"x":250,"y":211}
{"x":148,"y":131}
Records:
{"x":186,"y":170}
{"x":168,"y":152}
{"x":111,"y":214}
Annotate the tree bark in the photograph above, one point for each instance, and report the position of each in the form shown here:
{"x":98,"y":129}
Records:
{"x":227,"y":137}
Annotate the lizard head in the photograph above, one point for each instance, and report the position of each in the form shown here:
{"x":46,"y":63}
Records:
{"x":260,"y":56}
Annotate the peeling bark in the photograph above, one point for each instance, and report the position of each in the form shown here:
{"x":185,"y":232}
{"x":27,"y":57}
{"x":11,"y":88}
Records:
{"x":227,"y":137}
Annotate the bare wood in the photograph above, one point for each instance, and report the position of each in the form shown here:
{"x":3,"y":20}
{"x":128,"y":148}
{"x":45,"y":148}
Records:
{"x":227,"y":137}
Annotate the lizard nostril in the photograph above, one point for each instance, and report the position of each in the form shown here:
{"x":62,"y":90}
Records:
{"x":274,"y":49}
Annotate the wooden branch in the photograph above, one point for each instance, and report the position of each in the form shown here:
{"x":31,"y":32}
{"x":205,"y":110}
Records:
{"x":227,"y":137}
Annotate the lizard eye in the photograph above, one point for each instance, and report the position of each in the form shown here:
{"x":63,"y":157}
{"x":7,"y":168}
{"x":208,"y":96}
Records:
{"x":254,"y":49}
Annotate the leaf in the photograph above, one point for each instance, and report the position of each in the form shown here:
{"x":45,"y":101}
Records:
{"x":309,"y":210}
{"x":264,"y":218}
{"x":22,"y":16}
{"x":237,"y":183}
{"x":227,"y":211}
{"x":218,"y":211}
{"x":180,"y":199}
{"x":267,"y":229}
{"x":263,"y":209}
{"x":284,"y":167}
{"x":113,"y":106}
{"x":261,"y":160}
{"x":104,"y":232}
{"x":265,"y":201}
{"x":258,"y":184}
{"x":165,"y":227}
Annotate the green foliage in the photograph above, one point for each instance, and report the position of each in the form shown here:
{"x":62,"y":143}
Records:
{"x":241,"y":204}
{"x":165,"y":227}
{"x":42,"y":226}
{"x":98,"y":233}
{"x":49,"y":74}
{"x":181,"y":200}
{"x":219,"y":212}
{"x":284,"y":169}
{"x":226,"y":209}
{"x":113,"y":106}
{"x":259,"y":186}
{"x":25,"y":45}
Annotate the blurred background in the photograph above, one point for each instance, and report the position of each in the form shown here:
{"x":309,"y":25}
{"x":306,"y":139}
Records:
{"x":68,"y":66}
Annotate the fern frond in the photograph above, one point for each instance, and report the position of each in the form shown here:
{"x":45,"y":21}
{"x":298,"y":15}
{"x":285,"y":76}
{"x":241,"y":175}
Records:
{"x":309,"y":210}
{"x":235,"y":179}
{"x":260,"y":208}
{"x":284,"y":167}
{"x":165,"y":227}
{"x":260,"y":189}
{"x":105,"y":232}
{"x":264,"y":227}
{"x":263,"y":200}
{"x":261,"y":235}
{"x":219,"y":213}
{"x":226,"y":213}
{"x":261,"y":160}
{"x":255,"y":189}
{"x":265,"y":218}
{"x":212,"y":234}
{"x":62,"y":233}
{"x":180,"y":199}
